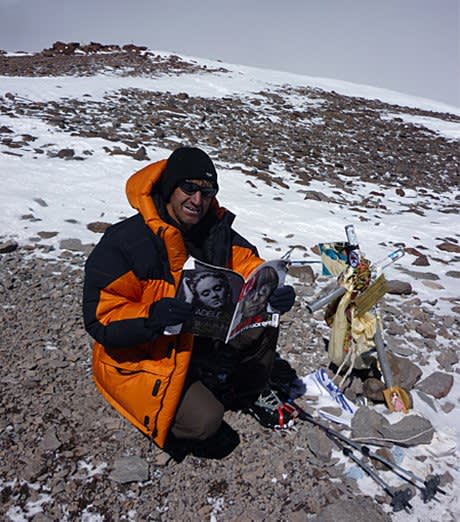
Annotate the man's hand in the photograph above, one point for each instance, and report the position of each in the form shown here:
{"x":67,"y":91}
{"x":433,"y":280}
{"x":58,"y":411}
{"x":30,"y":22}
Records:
{"x":168,"y":311}
{"x":282,"y":299}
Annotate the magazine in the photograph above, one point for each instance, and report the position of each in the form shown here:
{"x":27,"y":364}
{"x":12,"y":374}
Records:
{"x":224,"y":304}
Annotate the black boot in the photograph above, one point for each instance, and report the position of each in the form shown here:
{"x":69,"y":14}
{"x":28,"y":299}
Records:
{"x":220,"y":445}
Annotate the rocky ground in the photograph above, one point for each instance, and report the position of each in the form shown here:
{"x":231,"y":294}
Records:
{"x":66,"y":455}
{"x":66,"y":452}
{"x":332,"y":136}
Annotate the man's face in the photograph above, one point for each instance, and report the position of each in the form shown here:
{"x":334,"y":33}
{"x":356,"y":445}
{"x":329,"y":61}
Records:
{"x":189,"y":209}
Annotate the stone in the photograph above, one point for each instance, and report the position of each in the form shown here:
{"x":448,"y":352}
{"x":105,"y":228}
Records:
{"x":47,"y":235}
{"x":448,"y":407}
{"x":426,"y":330}
{"x":305,"y":273}
{"x":447,"y":246}
{"x":66,"y":153}
{"x":373,"y":389}
{"x":141,"y":154}
{"x":8,"y":246}
{"x":130,"y":469}
{"x":98,"y":227}
{"x":374,"y":427}
{"x":41,"y":202}
{"x":438,"y":384}
{"x":397,"y":287}
{"x":352,"y":510}
{"x":50,"y":441}
{"x":427,"y":276}
{"x":447,"y":358}
{"x":320,"y":444}
{"x":405,"y":373}
{"x":421,"y":260}
{"x":386,"y":454}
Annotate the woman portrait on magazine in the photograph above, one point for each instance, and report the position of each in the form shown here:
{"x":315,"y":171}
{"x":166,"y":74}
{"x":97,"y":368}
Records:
{"x":213,"y":301}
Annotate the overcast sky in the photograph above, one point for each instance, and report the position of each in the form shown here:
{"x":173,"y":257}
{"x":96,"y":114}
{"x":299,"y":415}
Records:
{"x":411,"y":46}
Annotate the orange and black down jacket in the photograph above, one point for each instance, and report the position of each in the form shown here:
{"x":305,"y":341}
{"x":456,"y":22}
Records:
{"x":137,"y":262}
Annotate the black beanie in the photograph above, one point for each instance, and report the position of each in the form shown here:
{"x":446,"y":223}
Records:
{"x":186,"y":163}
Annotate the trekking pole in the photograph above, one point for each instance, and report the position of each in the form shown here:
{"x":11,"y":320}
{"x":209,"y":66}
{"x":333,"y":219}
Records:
{"x":431,"y":484}
{"x":399,"y":497}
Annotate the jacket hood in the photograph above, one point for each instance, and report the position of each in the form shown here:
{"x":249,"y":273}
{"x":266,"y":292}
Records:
{"x":139,"y":189}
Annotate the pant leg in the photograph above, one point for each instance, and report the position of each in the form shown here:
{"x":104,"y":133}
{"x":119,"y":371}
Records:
{"x":256,"y":361}
{"x":199,"y":415}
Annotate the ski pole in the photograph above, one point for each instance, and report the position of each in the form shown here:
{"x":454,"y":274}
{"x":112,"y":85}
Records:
{"x":399,"y":497}
{"x":431,"y":485}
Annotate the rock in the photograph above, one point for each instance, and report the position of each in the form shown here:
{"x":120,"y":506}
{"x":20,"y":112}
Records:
{"x":41,"y":202}
{"x":428,"y":276}
{"x":387,"y":455}
{"x":373,"y":389}
{"x":401,"y":349}
{"x":367,"y":423}
{"x":421,"y":261}
{"x":50,"y":441}
{"x":98,"y":226}
{"x":8,"y":246}
{"x":320,"y":444}
{"x":438,"y":384}
{"x":409,"y":431}
{"x":447,"y":358}
{"x":433,"y":285}
{"x":130,"y":469}
{"x":352,"y":510}
{"x":413,"y":251}
{"x":47,"y":235}
{"x":405,"y":373}
{"x":449,"y":247}
{"x":397,"y":287}
{"x":317,"y":196}
{"x":66,"y":153}
{"x":141,"y":154}
{"x":305,"y":274}
{"x":448,"y":407}
{"x":426,"y":330}
{"x":75,"y":245}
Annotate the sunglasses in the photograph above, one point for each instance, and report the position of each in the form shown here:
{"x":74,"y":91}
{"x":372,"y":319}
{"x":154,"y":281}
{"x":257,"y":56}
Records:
{"x":190,"y":188}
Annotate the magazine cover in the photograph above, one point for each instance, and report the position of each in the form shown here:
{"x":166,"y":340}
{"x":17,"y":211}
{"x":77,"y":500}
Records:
{"x":224,"y":305}
{"x":253,"y":309}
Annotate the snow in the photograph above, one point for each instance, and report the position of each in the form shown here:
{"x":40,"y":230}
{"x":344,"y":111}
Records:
{"x":66,"y":196}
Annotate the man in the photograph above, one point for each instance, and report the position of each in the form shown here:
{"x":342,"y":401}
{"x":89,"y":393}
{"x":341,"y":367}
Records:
{"x":173,"y":388}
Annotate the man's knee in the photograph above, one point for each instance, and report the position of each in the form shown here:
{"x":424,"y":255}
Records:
{"x":199,"y":415}
{"x":207,"y":422}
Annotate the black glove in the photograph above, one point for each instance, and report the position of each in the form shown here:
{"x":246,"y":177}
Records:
{"x":166,"y":312}
{"x":282,"y":299}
